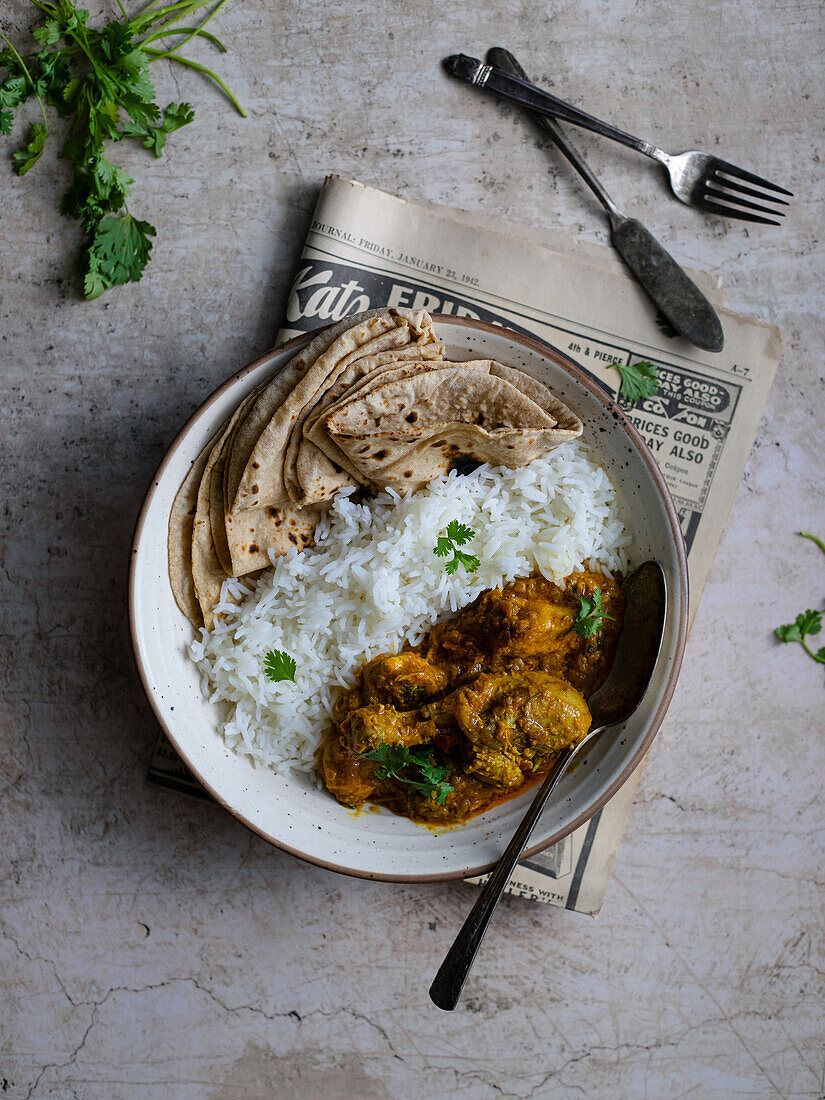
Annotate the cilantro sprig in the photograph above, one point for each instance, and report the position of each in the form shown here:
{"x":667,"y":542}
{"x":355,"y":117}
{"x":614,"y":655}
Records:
{"x":807,"y":623}
{"x":99,"y":80}
{"x":430,"y":779}
{"x":639,"y":380}
{"x":591,"y":615}
{"x":458,"y":534}
{"x":279,"y":666}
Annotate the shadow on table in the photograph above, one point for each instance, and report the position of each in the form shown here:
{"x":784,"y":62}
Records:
{"x":80,"y":733}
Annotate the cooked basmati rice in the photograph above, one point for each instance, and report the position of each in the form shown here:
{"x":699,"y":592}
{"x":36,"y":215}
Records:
{"x":372,"y":582}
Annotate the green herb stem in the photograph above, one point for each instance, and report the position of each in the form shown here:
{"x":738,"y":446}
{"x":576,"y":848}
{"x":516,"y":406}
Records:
{"x":190,"y":32}
{"x":813,"y":538}
{"x":174,"y":12}
{"x":157,"y":54}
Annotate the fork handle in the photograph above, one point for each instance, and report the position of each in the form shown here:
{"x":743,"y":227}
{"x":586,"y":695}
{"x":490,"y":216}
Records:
{"x":525,"y":94}
{"x":449,"y":981}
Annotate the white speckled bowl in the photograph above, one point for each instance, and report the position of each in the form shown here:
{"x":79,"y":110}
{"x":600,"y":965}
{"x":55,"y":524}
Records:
{"x":308,"y":822}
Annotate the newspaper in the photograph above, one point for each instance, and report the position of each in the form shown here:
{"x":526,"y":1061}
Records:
{"x":366,"y":249}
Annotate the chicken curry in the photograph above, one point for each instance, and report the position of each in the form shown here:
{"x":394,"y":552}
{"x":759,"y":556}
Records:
{"x":446,"y":729}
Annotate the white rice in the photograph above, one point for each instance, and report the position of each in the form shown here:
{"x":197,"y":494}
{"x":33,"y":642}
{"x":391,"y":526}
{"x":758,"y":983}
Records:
{"x":372,"y":582}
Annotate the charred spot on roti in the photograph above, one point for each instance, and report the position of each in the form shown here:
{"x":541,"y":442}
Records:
{"x":464,"y":464}
{"x":256,"y":465}
{"x":408,"y":473}
{"x":380,"y":454}
{"x":292,"y":538}
{"x":253,"y":549}
{"x":411,"y":417}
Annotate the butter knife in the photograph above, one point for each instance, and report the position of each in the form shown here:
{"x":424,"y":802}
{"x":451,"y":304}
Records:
{"x":678,"y":298}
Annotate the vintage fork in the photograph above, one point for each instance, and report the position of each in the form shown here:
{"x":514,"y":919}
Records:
{"x":698,"y":179}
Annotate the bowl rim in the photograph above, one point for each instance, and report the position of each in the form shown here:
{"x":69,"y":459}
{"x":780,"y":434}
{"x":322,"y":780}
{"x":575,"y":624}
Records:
{"x":635,"y":437}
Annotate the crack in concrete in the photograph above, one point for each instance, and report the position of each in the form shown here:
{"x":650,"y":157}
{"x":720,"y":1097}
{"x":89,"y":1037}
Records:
{"x":97,"y":1004}
{"x":725,"y":1018}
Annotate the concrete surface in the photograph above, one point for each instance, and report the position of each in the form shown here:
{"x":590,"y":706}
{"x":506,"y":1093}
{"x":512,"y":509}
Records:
{"x":150,"y":947}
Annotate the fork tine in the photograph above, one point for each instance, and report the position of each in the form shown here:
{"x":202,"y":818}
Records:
{"x":741,"y":174}
{"x":732,"y":212}
{"x":721,"y":181}
{"x":736,"y":202}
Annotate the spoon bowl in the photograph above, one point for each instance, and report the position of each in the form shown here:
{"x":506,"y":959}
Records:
{"x":637,"y":652}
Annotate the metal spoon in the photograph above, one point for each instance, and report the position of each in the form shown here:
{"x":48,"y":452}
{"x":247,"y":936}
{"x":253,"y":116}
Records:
{"x":613,"y":703}
{"x":671,"y":290}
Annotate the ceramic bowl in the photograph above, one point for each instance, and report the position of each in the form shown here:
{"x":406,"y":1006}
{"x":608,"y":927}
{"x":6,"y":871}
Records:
{"x":308,"y":822}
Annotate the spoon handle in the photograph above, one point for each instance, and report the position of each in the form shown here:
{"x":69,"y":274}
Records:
{"x":449,"y":981}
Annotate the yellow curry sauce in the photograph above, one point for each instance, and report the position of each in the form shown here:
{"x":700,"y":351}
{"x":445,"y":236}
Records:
{"x":494,"y":694}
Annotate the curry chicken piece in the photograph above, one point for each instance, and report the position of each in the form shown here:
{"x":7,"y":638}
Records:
{"x":516,"y":722}
{"x":528,"y":625}
{"x":403,"y":679}
{"x":494,"y":694}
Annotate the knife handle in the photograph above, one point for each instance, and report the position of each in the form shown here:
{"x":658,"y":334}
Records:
{"x":679,"y":299}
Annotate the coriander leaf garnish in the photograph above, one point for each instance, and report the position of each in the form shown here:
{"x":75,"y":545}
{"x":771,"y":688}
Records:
{"x":433,"y":776}
{"x":99,"y":79}
{"x":279,"y":666}
{"x":807,"y":623}
{"x":391,"y":760}
{"x":639,"y":380}
{"x":458,"y":534}
{"x":591,"y":615}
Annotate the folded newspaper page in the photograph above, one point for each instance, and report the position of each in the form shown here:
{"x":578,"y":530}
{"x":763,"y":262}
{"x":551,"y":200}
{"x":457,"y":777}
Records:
{"x":366,"y":249}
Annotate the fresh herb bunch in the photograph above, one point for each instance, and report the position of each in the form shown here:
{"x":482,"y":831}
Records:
{"x":458,"y":534}
{"x":639,"y":380}
{"x":279,"y":666}
{"x":99,"y":79}
{"x":430,"y":780}
{"x":591,"y":615}
{"x":807,"y":623}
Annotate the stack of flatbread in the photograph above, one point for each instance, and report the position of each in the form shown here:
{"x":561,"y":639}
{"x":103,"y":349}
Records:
{"x":370,"y":403}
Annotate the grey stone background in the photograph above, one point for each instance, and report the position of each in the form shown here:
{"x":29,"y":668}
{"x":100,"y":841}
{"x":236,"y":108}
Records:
{"x":150,"y":947}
